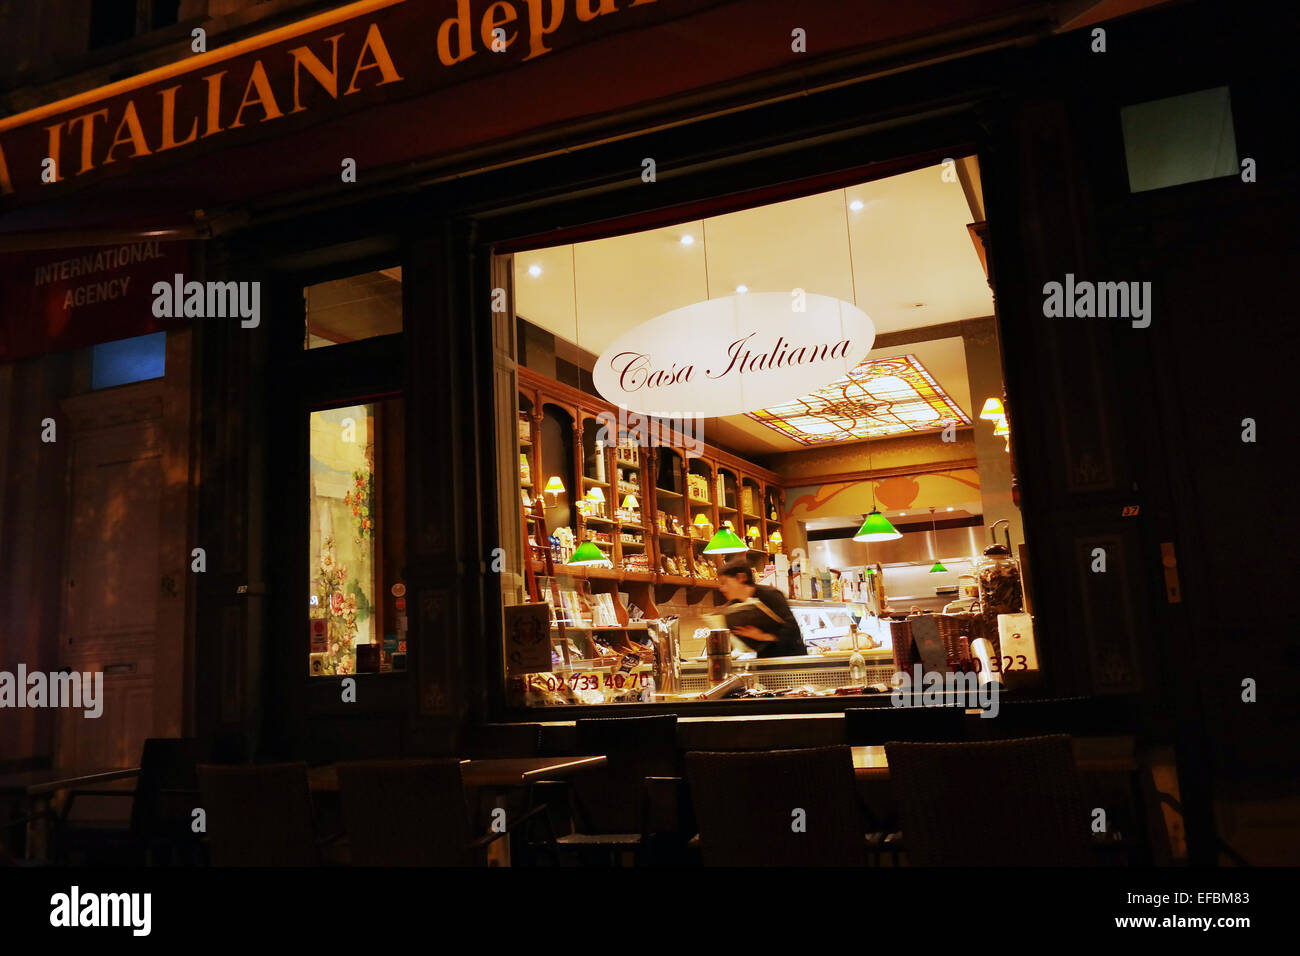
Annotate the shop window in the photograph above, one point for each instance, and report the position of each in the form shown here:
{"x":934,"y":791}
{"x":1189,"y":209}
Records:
{"x":1180,"y":139}
{"x":356,"y":600}
{"x":357,"y":307}
{"x":135,"y":359}
{"x":884,"y":395}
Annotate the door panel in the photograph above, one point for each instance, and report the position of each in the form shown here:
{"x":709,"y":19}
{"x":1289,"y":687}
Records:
{"x":111,"y":581}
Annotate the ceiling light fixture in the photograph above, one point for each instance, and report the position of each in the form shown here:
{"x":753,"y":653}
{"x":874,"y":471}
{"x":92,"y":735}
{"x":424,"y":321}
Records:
{"x":725,"y":542}
{"x":875,"y":526}
{"x":934,"y":530}
{"x":856,"y":205}
{"x":534,"y":271}
{"x":688,"y":240}
{"x":992,"y":410}
{"x":588,"y":555}
{"x":742,"y":289}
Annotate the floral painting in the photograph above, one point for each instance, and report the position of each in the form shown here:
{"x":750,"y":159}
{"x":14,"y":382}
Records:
{"x":343,"y":515}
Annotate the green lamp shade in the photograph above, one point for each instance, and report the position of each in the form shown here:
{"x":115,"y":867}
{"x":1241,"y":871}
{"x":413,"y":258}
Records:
{"x":725,"y":542}
{"x":588,"y":554}
{"x":938,"y":566}
{"x":877,"y":528}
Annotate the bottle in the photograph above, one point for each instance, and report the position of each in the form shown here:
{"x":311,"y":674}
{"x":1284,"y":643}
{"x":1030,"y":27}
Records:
{"x":857,"y":663}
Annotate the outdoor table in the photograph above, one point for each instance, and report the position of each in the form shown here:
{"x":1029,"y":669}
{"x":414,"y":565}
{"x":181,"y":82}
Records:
{"x":37,"y":789}
{"x":489,"y":772}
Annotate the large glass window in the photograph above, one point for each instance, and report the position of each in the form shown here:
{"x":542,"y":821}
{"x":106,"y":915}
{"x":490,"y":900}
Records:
{"x":354,"y":308}
{"x":356,"y":478}
{"x":810,"y":388}
{"x":356,"y":598}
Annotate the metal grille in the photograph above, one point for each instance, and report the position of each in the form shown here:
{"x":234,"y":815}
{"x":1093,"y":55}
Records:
{"x":821,"y":678}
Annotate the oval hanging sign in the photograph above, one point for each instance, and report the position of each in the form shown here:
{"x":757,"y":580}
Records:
{"x":734,"y":355}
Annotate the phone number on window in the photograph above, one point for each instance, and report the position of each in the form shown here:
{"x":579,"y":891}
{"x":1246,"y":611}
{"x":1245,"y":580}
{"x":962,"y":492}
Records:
{"x":579,"y":682}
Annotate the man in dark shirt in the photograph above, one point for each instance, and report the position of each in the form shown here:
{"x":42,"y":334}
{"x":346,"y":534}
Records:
{"x":783,"y":637}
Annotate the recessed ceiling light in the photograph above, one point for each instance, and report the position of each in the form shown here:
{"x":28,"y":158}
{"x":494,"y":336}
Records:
{"x":534,"y":271}
{"x":688,"y":240}
{"x":856,"y":205}
{"x":951,"y":509}
{"x":902,"y":514}
{"x":742,"y":289}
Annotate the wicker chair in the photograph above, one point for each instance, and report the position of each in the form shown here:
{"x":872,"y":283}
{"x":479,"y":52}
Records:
{"x":997,"y":803}
{"x":162,"y":801}
{"x":410,"y":813}
{"x":875,"y":725}
{"x":259,"y":815}
{"x":745,"y":805}
{"x":634,"y":804}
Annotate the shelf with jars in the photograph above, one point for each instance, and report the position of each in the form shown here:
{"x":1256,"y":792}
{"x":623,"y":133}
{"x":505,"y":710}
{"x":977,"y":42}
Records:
{"x":648,"y":511}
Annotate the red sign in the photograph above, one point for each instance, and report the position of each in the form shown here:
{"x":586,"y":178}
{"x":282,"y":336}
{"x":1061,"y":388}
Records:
{"x":68,"y":298}
{"x":426,"y":79}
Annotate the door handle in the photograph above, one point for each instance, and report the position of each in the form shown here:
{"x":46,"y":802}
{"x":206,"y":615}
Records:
{"x":1169,"y":560}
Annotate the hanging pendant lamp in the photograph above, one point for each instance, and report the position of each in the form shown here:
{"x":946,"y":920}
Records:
{"x":875,"y":526}
{"x":725,"y":542}
{"x":934,"y":531}
{"x":588,"y":555}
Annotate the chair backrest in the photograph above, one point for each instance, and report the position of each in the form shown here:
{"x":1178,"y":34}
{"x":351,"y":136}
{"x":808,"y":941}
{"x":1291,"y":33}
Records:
{"x":648,"y":738}
{"x":635,"y":748}
{"x":995,"y":803}
{"x":875,"y":725}
{"x":405,"y":813}
{"x":1077,"y":716}
{"x":167,"y":788}
{"x":747,"y":806}
{"x":259,"y":815}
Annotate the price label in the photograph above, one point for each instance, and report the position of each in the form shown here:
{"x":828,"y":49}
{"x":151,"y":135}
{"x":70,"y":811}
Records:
{"x":1016,"y":637}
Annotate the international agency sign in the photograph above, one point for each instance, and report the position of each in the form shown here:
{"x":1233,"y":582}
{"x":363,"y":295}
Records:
{"x":735,"y":354}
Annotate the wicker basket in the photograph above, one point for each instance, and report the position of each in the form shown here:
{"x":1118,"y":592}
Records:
{"x":900,"y":638}
{"x":953,"y":627}
{"x":972,"y":624}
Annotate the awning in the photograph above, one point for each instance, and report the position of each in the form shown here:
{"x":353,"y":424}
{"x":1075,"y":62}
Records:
{"x":393,"y":84}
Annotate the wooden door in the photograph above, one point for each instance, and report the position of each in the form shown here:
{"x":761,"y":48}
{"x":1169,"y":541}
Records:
{"x":112,"y":580}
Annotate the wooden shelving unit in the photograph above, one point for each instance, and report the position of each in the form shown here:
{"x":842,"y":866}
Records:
{"x":659,"y":478}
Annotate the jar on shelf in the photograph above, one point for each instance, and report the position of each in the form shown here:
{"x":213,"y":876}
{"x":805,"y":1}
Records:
{"x":1000,"y":591}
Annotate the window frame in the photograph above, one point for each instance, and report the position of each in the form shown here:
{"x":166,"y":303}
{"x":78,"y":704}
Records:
{"x":571,"y":214}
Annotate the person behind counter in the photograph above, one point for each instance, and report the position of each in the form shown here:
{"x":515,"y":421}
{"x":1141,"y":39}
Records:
{"x":783,"y":637}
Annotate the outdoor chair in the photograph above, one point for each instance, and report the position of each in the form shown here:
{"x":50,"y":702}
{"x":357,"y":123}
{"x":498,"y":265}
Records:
{"x":777,"y":808}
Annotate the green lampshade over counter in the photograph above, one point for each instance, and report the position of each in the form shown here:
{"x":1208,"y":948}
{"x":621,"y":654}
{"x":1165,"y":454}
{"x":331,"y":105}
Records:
{"x":725,"y":541}
{"x":938,"y":567}
{"x":587,"y":555}
{"x":877,"y":528}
